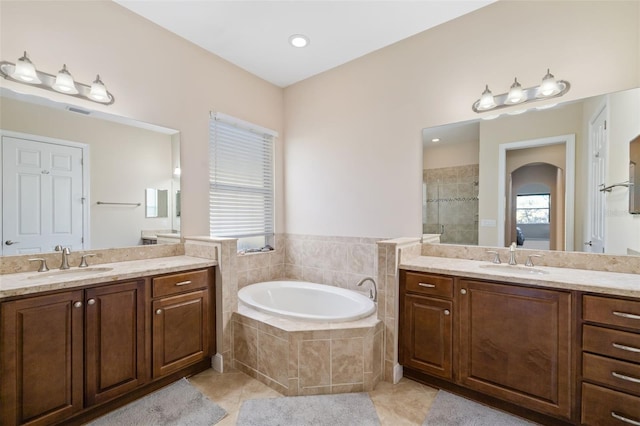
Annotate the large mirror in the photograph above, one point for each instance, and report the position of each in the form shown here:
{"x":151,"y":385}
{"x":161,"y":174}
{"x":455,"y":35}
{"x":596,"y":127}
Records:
{"x":78,"y":178}
{"x":551,"y":178}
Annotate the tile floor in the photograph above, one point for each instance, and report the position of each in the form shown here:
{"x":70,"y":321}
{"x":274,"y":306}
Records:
{"x":406,"y":403}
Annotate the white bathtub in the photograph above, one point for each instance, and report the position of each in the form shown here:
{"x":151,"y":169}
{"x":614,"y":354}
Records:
{"x":306,"y":301}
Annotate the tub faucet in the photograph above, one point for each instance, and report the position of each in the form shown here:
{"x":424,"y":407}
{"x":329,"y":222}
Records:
{"x":512,"y":254}
{"x":373,"y":291}
{"x":65,"y":252}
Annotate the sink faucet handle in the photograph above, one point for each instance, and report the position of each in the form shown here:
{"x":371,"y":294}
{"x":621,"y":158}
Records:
{"x":496,"y":257}
{"x":43,"y":264}
{"x":529,"y":262}
{"x":83,"y":260}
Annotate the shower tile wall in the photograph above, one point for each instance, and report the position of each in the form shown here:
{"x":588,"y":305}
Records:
{"x":451,"y":206}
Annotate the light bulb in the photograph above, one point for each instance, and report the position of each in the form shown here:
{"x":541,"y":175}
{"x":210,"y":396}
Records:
{"x":64,"y":82}
{"x":299,"y":40}
{"x":98,"y":92}
{"x":549,"y":86}
{"x":25,"y":71}
{"x":516,"y":94}
{"x":486,"y":100}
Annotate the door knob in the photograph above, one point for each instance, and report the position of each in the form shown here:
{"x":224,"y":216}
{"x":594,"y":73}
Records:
{"x":10,"y":242}
{"x":158,"y":311}
{"x":463,"y":291}
{"x":91,"y":301}
{"x":588,"y":243}
{"x":77,"y":305}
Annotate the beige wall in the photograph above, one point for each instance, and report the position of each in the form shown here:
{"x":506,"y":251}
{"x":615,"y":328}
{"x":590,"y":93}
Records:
{"x":354,"y":152}
{"x":123,"y":162}
{"x":451,"y":154}
{"x":155,"y":77}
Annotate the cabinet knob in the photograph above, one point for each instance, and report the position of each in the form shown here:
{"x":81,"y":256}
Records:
{"x":158,"y":311}
{"x":77,"y":304}
{"x":91,"y":302}
{"x":463,"y":291}
{"x":447,"y":312}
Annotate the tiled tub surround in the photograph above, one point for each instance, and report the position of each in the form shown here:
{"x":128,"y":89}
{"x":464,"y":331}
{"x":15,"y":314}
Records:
{"x":307,"y":358}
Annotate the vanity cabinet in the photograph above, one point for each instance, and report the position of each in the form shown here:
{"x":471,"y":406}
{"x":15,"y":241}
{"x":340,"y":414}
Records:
{"x":482,"y":338}
{"x":515,"y":344}
{"x":610,"y":361}
{"x":427,"y":337}
{"x":66,"y":355}
{"x":181,"y":321}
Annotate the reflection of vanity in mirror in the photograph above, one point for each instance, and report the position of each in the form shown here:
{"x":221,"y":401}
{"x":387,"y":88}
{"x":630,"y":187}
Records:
{"x":119,"y":159}
{"x":544,"y":172}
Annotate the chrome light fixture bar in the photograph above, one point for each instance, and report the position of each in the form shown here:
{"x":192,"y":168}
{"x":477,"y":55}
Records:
{"x":23,"y":71}
{"x":549,"y":88}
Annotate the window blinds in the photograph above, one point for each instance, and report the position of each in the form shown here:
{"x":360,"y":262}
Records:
{"x":240,"y":178}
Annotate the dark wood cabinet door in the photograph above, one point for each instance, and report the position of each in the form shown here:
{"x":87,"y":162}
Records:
{"x":41,"y":358}
{"x":515,"y":344}
{"x":115,"y":338}
{"x":181,"y":331}
{"x":426,"y":335}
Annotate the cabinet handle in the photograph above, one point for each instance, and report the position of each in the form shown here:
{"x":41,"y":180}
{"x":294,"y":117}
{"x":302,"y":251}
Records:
{"x":91,"y":302}
{"x":626,"y":315}
{"x":463,"y":291}
{"x":184,"y":282}
{"x":625,"y":348}
{"x":77,"y":305}
{"x":625,"y":377}
{"x":158,"y":311}
{"x":447,"y":312}
{"x":426,"y":285}
{"x":624,"y":419}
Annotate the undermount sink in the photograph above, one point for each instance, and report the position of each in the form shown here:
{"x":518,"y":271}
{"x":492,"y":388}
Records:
{"x":515,"y":269}
{"x":70,"y":272}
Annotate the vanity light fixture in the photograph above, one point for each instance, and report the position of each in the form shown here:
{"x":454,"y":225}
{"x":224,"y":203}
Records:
{"x":23,"y":71}
{"x":299,"y":40}
{"x":549,"y":88}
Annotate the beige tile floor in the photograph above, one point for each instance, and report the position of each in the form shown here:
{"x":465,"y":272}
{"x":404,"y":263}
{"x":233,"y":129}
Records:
{"x":405,"y":403}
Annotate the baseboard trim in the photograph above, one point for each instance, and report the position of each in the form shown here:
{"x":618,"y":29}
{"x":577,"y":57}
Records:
{"x":217,"y":363}
{"x":397,"y":373}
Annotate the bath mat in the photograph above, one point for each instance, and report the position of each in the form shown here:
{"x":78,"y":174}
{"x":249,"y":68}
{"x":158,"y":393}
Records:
{"x":177,"y":404}
{"x":452,"y":410}
{"x":346,"y":409}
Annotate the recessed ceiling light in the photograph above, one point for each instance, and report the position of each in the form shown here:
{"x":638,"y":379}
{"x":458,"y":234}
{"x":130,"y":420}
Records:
{"x":435,"y":140}
{"x":299,"y":40}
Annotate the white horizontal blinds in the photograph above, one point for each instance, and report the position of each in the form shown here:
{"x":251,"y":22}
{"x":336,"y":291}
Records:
{"x":240,"y":178}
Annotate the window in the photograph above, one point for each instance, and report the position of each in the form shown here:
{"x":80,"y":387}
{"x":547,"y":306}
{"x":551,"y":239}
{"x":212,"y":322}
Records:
{"x":533,"y":208}
{"x":241,"y":181}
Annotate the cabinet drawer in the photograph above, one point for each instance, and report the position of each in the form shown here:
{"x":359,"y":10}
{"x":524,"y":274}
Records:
{"x":603,"y":407}
{"x":179,"y":283}
{"x":434,"y":285}
{"x":618,"y":344}
{"x":620,"y":374}
{"x":607,"y":310}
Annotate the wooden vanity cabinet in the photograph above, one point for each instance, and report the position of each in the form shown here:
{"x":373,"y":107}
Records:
{"x":66,"y":355}
{"x":41,"y":358}
{"x":515,"y":344}
{"x":509,"y":342}
{"x":426,"y":338}
{"x":610,"y":361}
{"x":181,"y":321}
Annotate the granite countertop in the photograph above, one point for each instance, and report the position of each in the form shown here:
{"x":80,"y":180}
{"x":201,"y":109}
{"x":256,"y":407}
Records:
{"x":34,"y":282}
{"x":612,"y":283}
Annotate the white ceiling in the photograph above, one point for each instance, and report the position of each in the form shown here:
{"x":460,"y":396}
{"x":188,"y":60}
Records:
{"x":254,"y":34}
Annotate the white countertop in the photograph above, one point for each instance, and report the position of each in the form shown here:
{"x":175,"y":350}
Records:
{"x":612,"y":283}
{"x":35,"y":282}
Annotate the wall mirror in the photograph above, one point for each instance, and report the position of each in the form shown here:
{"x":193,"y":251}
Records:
{"x":124,"y":158}
{"x":482,"y":179}
{"x":634,"y":175}
{"x":156,"y":202}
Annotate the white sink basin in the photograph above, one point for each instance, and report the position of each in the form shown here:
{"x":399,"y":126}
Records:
{"x":74,"y":272}
{"x":515,"y":269}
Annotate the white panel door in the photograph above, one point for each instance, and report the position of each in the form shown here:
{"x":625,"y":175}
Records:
{"x":597,"y":173}
{"x":42,"y":196}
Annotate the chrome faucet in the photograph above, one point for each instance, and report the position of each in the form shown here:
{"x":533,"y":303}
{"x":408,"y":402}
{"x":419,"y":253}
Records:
{"x":512,"y":254}
{"x":373,"y":291}
{"x":65,"y":252}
